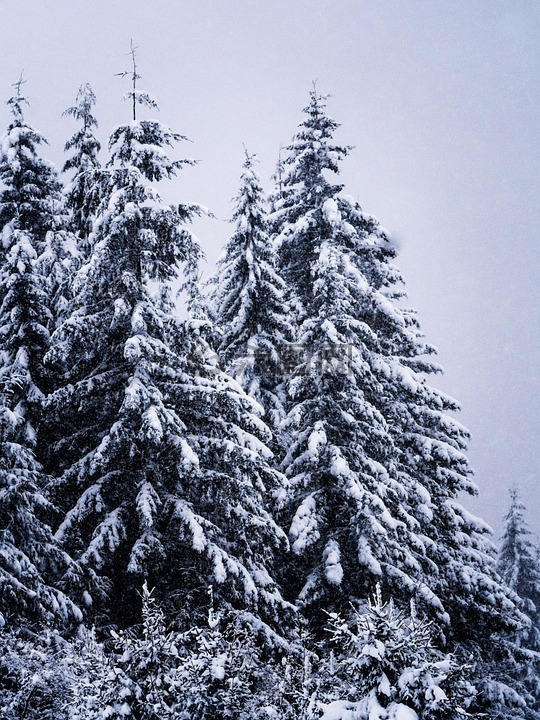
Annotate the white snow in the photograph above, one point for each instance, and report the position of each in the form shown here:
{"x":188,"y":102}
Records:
{"x":304,"y":524}
{"x":317,"y":439}
{"x":331,"y":211}
{"x":217,"y":667}
{"x":332,"y":557}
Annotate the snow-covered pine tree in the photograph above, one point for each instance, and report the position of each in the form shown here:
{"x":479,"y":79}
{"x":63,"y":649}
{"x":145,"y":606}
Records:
{"x":347,"y":514}
{"x":224,"y":672}
{"x":30,"y":560}
{"x":83,"y":191}
{"x":158,"y":456}
{"x":375,"y":463}
{"x":31,"y":183}
{"x":25,"y":219}
{"x":91,"y":677}
{"x":138,"y":679}
{"x":33,"y":195}
{"x":517,"y":564}
{"x":429,"y":444}
{"x":303,"y":189}
{"x":382,"y":664}
{"x":248,"y":299}
{"x":153,"y":671}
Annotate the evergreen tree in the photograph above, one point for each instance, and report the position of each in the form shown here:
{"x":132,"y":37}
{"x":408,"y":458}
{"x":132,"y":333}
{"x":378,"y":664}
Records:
{"x":429,"y":445}
{"x":431,"y":462}
{"x":384,"y":665}
{"x":30,"y":560}
{"x":25,"y":218}
{"x":88,"y":674}
{"x":227,"y":670}
{"x":348,"y":516}
{"x":137,"y":680}
{"x":33,"y":200}
{"x":248,"y":299}
{"x":162,"y":469}
{"x":518,"y":566}
{"x":302,"y":192}
{"x":375,"y":463}
{"x":216,"y":670}
{"x":31,"y":183}
{"x":83,"y":192}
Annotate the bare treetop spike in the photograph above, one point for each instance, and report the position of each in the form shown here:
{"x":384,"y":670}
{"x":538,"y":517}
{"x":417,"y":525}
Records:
{"x":20,"y":82}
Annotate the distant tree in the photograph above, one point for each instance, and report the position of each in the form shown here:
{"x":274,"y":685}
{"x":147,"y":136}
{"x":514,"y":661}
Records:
{"x":518,"y":565}
{"x":83,"y":192}
{"x":248,"y":299}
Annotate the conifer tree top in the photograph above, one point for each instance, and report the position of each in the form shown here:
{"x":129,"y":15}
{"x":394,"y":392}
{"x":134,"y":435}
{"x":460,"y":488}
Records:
{"x":32,"y":192}
{"x":312,"y":153}
{"x":83,"y":141}
{"x":84,"y":192}
{"x":16,"y":137}
{"x":82,"y":110}
{"x":248,"y":299}
{"x":16,"y":101}
{"x":136,"y":96}
{"x":141,"y":143}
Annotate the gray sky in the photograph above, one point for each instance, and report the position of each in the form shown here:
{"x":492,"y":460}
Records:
{"x":441,"y":99}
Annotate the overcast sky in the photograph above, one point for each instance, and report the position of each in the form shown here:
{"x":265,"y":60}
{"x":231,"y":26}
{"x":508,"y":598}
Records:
{"x":441,"y":99}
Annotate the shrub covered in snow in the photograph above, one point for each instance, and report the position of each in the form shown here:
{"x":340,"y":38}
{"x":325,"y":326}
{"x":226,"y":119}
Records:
{"x":383,"y":666}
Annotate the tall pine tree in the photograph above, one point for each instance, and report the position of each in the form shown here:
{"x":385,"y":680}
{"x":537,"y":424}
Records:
{"x":249,"y":303}
{"x":349,"y":522}
{"x":83,"y":191}
{"x":163,"y":469}
{"x":429,"y":447}
{"x":30,"y":560}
